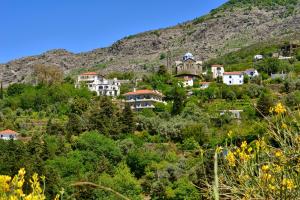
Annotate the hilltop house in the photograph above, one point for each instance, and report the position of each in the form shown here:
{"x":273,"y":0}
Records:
{"x":217,"y":71}
{"x":8,"y":135}
{"x":141,"y":99}
{"x":99,"y":84}
{"x":251,"y":73}
{"x":233,"y":78}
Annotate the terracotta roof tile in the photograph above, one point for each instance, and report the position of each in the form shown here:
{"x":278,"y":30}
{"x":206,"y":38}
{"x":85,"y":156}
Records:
{"x":89,"y":73}
{"x":144,"y":92}
{"x":7,"y":131}
{"x":233,"y":73}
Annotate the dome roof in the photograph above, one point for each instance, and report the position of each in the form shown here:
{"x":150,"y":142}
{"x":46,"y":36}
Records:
{"x":188,"y":56}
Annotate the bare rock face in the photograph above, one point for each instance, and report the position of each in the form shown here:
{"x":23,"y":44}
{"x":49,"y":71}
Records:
{"x":213,"y":35}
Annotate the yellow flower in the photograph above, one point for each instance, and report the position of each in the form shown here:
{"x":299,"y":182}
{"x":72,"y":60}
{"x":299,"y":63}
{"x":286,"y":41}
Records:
{"x":271,"y":187}
{"x":278,"y":154}
{"x":266,"y":176}
{"x":244,"y":145}
{"x":231,"y":159}
{"x":265,"y":168}
{"x":22,"y":172}
{"x":284,"y":126}
{"x":279,"y":109}
{"x":243,"y":156}
{"x":229,"y":134}
{"x":288,"y":184}
{"x":277,"y":168}
{"x":249,"y":149}
{"x":219,"y":149}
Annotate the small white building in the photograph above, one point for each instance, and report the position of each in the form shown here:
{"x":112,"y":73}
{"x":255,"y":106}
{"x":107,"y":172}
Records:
{"x":8,"y":135}
{"x":233,"y":78}
{"x":100,"y":85}
{"x":258,"y":57}
{"x":236,"y":114}
{"x":217,"y":71}
{"x":251,"y":73}
{"x":141,"y":99}
{"x":204,"y":85}
{"x":187,"y":81}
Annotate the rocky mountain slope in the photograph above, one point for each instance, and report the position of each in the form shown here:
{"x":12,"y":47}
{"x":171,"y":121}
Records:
{"x":232,"y":26}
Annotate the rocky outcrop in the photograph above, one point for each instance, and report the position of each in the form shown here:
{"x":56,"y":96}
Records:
{"x":207,"y":37}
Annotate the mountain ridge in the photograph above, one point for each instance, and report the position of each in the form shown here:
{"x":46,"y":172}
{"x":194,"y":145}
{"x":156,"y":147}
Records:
{"x":223,"y":30}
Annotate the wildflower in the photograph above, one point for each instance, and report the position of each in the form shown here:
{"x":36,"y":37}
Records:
{"x":219,"y":149}
{"x":278,"y":154}
{"x":229,"y":134}
{"x":244,"y":145}
{"x":266,"y":176}
{"x":265,"y":168}
{"x":4,"y":183}
{"x":271,"y":187}
{"x":279,"y":109}
{"x":249,"y":149}
{"x":243,"y":156}
{"x":284,"y":126}
{"x":22,"y":172}
{"x":231,"y":159}
{"x":288,"y":184}
{"x":277,"y":168}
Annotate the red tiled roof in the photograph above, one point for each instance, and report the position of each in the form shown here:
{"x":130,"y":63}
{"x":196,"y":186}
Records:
{"x":143,"y":92}
{"x":7,"y":131}
{"x":233,"y":73}
{"x":89,"y":73}
{"x":217,"y":65}
{"x":204,"y":82}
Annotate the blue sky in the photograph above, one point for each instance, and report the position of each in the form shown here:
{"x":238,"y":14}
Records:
{"x":30,"y":27}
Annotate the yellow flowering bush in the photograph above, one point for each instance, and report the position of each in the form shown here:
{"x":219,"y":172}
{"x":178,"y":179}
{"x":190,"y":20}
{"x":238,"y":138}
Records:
{"x":262,"y":170}
{"x":12,"y":188}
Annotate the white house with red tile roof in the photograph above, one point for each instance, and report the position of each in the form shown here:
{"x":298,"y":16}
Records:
{"x":8,"y":135}
{"x":233,"y":78}
{"x":187,"y":81}
{"x":141,"y":99}
{"x":204,"y":85}
{"x":99,"y":84}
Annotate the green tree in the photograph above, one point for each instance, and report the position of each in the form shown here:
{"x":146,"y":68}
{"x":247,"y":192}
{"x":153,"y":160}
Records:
{"x":264,"y":103}
{"x":75,"y":125}
{"x":128,"y":120}
{"x":178,"y":96}
{"x":104,"y":118}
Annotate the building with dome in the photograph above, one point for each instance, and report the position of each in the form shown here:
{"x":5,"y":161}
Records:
{"x":188,"y":66}
{"x":188,"y":69}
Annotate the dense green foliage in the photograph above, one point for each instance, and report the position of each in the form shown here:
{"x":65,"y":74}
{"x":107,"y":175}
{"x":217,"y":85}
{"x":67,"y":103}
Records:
{"x":72,"y":136}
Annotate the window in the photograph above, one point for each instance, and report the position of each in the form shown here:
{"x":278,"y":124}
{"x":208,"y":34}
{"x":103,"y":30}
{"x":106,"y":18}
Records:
{"x":240,"y":76}
{"x":230,"y":76}
{"x":229,"y":82}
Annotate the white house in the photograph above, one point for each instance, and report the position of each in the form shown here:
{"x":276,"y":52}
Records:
{"x":233,"y":78}
{"x":8,"y":135}
{"x":141,"y":99}
{"x":187,"y":81}
{"x":217,"y":71}
{"x":99,"y":84}
{"x":204,"y":85}
{"x":258,"y":57}
{"x":251,"y":73}
{"x":236,"y":114}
